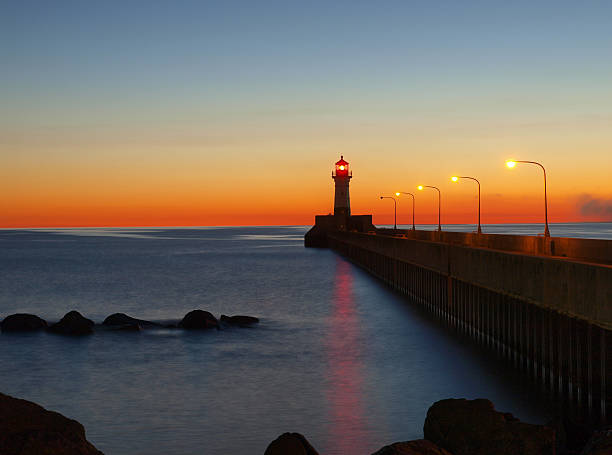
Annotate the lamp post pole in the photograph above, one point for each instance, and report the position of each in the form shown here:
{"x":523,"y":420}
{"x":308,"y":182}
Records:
{"x":420,"y":187}
{"x":403,"y":192}
{"x":394,"y":210}
{"x":511,"y":164}
{"x":454,"y":179}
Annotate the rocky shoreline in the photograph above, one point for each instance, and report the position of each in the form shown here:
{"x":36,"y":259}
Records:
{"x":29,"y":429}
{"x":452,"y":427}
{"x":474,"y":427}
{"x":74,"y":323}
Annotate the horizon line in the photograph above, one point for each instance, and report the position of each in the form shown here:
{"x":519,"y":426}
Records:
{"x":275,"y":225}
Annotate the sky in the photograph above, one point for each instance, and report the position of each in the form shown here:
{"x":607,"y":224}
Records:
{"x":179,"y":113}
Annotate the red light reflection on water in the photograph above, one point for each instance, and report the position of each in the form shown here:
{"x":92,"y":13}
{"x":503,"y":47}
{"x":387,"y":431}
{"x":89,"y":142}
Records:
{"x":348,"y":426}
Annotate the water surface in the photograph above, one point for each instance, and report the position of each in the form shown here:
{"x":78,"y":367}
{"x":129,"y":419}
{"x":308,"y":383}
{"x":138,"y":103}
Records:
{"x":337,"y":355}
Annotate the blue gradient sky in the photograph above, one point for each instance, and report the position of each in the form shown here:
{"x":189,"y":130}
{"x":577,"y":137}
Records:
{"x":99,"y":92}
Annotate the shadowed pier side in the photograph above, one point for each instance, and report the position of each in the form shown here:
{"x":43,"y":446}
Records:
{"x":549,"y":316}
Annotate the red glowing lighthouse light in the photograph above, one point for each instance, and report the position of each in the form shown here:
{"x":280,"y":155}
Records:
{"x":342,"y":167}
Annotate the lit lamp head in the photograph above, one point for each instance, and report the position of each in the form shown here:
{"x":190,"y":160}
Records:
{"x":454,"y":178}
{"x":420,"y":187}
{"x":397,"y":194}
{"x":342,"y":167}
{"x":510,"y":163}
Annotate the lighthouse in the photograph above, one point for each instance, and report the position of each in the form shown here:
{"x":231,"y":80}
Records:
{"x":341,"y":220}
{"x":342,"y":176}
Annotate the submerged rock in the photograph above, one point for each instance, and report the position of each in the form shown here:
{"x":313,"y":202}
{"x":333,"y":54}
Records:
{"x":122,"y":319}
{"x":243,"y":321}
{"x":29,"y":429}
{"x":416,"y":447}
{"x":22,"y":322}
{"x":73,"y":323}
{"x":473,"y":427}
{"x":290,"y":444}
{"x":125,"y":328}
{"x":199,"y":320}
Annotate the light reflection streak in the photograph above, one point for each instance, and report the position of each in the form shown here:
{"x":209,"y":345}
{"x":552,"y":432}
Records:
{"x":348,"y":425}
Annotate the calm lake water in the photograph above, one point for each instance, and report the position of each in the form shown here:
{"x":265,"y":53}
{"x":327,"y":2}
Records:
{"x":337,"y":355}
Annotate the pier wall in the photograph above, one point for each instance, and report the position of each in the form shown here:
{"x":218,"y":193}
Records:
{"x":550,"y":317}
{"x":589,"y":250}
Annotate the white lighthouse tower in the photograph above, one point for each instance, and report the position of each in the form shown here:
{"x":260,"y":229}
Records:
{"x":341,"y":220}
{"x":342,"y":176}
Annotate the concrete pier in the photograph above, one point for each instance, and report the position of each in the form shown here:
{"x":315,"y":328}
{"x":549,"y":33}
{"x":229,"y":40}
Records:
{"x":543,"y":304}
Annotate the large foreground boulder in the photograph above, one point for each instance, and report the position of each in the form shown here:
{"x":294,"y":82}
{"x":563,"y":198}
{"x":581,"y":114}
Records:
{"x":199,"y":320}
{"x":22,"y":322}
{"x":240,"y":320}
{"x":122,"y":320}
{"x":473,"y":427}
{"x":416,"y":447}
{"x":73,"y":323}
{"x":290,"y":444}
{"x":28,"y":429}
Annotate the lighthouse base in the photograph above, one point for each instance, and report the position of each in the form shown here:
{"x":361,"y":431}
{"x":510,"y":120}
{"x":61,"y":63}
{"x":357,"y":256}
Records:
{"x":316,"y":237}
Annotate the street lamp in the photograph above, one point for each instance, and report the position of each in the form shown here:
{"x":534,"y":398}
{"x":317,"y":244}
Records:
{"x":511,"y":164}
{"x":394,"y":210}
{"x":456,"y":179}
{"x":403,"y":192}
{"x":420,"y":188}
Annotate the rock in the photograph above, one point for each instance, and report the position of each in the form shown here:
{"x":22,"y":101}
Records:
{"x":599,"y":444}
{"x":199,"y":320}
{"x":121,"y":319}
{"x":28,"y":429}
{"x":73,"y":323}
{"x":242,"y":321}
{"x":473,"y":427}
{"x":290,"y":444}
{"x":22,"y":322}
{"x":417,"y":447}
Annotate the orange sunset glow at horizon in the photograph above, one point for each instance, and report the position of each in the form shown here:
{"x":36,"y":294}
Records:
{"x":289,"y":191}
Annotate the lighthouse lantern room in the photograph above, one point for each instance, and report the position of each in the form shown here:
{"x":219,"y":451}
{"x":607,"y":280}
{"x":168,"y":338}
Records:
{"x":342,"y":176}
